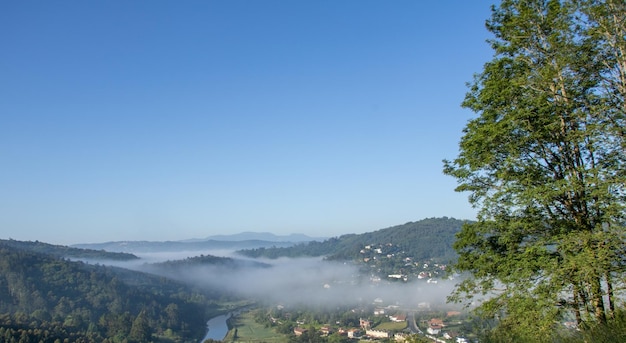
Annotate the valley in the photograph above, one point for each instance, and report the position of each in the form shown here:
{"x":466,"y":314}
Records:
{"x":320,"y":293}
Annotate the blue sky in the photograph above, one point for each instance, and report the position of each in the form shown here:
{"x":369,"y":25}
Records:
{"x":166,"y":120}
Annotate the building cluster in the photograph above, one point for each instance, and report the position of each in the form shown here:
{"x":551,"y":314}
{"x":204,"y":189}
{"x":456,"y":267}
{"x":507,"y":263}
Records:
{"x":388,"y":262}
{"x":435,"y":327}
{"x":364,"y":330}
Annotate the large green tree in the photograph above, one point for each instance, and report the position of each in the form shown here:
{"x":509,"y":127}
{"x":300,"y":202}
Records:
{"x":544,"y":163}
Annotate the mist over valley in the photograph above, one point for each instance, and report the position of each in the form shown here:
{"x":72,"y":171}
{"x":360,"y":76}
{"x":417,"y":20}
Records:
{"x":343,"y":271}
{"x":361,"y":274}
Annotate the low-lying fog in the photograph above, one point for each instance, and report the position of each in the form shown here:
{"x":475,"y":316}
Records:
{"x":306,"y":281}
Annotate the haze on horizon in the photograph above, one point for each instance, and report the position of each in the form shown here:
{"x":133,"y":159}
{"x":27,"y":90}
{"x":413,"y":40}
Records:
{"x":167,"y":121}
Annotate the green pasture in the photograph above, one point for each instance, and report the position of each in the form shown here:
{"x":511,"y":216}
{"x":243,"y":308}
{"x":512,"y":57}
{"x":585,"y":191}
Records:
{"x":391,"y":326}
{"x":249,"y":331}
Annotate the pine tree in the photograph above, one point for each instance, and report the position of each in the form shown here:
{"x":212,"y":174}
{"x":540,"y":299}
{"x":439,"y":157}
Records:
{"x":140,"y":330}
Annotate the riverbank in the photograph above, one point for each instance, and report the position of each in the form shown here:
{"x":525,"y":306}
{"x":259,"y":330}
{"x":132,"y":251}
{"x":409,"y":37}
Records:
{"x":218,"y":327}
{"x":245,"y":329}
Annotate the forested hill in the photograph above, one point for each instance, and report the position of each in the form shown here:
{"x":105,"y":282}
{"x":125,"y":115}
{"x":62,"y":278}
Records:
{"x":430,"y":238}
{"x":44,"y":298}
{"x":180,"y":269}
{"x":67,"y":252}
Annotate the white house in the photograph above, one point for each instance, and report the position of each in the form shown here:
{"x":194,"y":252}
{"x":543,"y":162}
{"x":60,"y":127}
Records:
{"x":378,"y":333}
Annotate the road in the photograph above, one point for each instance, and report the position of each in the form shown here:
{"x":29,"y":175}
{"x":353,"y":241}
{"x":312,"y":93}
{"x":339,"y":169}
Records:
{"x":412,"y":324}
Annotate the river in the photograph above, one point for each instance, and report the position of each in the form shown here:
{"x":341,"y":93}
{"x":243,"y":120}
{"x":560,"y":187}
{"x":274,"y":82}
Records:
{"x":217,"y":327}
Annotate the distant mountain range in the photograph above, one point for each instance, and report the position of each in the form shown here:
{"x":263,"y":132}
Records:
{"x":244,"y":240}
{"x":265,"y":236}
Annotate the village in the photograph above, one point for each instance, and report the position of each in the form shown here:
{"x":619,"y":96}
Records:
{"x":388,"y":264}
{"x":375,"y":323}
{"x":434,"y":331}
{"x":382,"y":266}
{"x":388,"y":261}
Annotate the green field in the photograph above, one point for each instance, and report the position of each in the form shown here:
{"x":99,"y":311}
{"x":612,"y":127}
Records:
{"x":391,"y":326}
{"x":248,"y":330}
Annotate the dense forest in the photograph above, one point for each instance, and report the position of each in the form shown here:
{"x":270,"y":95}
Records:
{"x":177,"y":268}
{"x":430,"y":238}
{"x":68,"y":252}
{"x":45,"y":298}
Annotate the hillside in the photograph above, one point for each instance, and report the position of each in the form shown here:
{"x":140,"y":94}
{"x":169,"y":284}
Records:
{"x":180,"y":269}
{"x":426,"y":239}
{"x":209,"y":260}
{"x":45,"y":298}
{"x":67,"y":252}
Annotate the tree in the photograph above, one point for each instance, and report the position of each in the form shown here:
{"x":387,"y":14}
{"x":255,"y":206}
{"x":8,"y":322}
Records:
{"x":543,"y":163}
{"x":172,"y":312}
{"x":140,"y":330}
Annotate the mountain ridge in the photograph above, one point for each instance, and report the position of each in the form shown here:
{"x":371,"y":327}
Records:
{"x":429,"y":238}
{"x":173,"y":246}
{"x":64,"y":251}
{"x":265,"y":236}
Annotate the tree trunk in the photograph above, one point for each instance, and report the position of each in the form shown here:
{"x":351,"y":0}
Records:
{"x":577,"y":306}
{"x":609,"y":292}
{"x":598,"y":302}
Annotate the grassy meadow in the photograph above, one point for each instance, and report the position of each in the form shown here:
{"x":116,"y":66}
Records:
{"x":249,"y":331}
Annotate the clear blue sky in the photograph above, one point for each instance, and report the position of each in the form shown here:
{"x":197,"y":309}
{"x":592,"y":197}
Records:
{"x":167,"y":120}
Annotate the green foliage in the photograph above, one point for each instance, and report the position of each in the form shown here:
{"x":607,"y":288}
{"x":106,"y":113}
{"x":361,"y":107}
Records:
{"x":50,"y":298}
{"x":205,"y":260}
{"x":140,"y":331}
{"x":418,"y":339}
{"x":613,"y":331}
{"x":543,"y":162}
{"x":68,"y":252}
